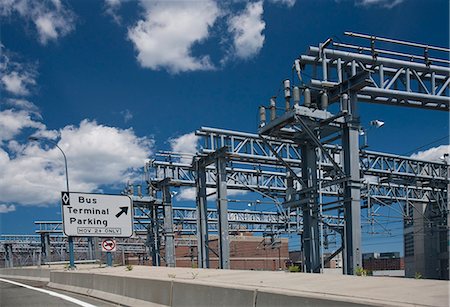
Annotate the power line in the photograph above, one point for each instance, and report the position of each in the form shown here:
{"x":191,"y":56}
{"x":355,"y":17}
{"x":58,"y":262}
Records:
{"x":431,"y":143}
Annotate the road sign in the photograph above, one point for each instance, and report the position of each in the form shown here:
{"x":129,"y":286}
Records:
{"x":109,"y":245}
{"x":97,"y":215}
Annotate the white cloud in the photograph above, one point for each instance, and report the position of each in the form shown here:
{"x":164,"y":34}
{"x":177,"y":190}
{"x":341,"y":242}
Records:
{"x":381,"y":3}
{"x":111,"y":8}
{"x":16,"y":79}
{"x":247,"y":30}
{"x":21,"y":104}
{"x":51,"y":18}
{"x":17,"y":84}
{"x":186,"y":144}
{"x":127,"y":115}
{"x":14,"y":122}
{"x":187,"y":194}
{"x":97,"y":155}
{"x":7,"y":208}
{"x":165,"y":37}
{"x":288,"y":3}
{"x":433,"y":154}
{"x":190,"y":194}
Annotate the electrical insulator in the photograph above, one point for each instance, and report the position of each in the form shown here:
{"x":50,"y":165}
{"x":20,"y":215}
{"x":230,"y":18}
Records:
{"x":273,"y":108}
{"x":344,"y":105}
{"x":324,"y":101}
{"x":287,"y":89}
{"x":307,"y":97}
{"x":130,"y":189}
{"x":287,"y":94}
{"x":298,"y":69}
{"x":262,"y":116}
{"x":296,"y":94}
{"x":139,"y":190}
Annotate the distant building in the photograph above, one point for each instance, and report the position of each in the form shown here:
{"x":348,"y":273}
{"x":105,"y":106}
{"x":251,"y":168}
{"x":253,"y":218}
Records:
{"x":383,"y":261}
{"x":296,"y":258}
{"x":247,"y":252}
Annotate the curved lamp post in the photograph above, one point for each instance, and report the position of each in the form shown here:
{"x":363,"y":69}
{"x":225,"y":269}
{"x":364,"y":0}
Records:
{"x":33,"y":138}
{"x":71,"y":251}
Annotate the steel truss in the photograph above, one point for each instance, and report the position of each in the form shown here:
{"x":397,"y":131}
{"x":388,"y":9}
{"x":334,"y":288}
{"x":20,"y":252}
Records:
{"x":410,"y":178}
{"x":249,"y":221}
{"x":278,"y":161}
{"x":396,"y":78}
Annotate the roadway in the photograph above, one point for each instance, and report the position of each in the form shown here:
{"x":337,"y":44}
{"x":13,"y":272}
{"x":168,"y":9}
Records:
{"x":38,"y":294}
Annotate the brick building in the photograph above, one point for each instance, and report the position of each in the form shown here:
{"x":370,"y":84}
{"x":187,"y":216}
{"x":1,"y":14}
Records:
{"x":383,"y":261}
{"x":247,"y":252}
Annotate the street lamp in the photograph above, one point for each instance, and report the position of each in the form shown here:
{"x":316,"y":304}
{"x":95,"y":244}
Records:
{"x":33,"y":138}
{"x":373,"y":123}
{"x":71,"y":251}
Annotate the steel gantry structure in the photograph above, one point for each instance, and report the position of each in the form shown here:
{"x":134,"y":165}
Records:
{"x":345,"y":75}
{"x":309,"y":158}
{"x":148,"y":229}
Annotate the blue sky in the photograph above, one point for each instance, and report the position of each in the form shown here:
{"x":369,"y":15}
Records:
{"x":114,"y":81}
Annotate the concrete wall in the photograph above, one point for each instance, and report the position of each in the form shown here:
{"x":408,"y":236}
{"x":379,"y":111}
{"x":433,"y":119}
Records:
{"x":169,"y":292}
{"x":157,"y":286}
{"x":41,"y":274}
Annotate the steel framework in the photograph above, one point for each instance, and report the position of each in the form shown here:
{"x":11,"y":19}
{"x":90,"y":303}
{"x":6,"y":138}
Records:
{"x":291,"y":147}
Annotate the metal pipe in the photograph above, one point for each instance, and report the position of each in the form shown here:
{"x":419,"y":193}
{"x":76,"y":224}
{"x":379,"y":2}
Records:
{"x":312,"y":59}
{"x":388,"y":52}
{"x":395,"y":41}
{"x":349,"y":56}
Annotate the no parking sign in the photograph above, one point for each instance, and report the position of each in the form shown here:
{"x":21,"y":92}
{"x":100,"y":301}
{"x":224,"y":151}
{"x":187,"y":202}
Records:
{"x":109,"y":245}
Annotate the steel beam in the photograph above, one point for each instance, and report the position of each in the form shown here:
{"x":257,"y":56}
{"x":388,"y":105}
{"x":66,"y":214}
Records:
{"x":310,"y":238}
{"x":352,"y":199}
{"x":202,"y":218}
{"x":222,"y":209}
{"x":169,"y":239}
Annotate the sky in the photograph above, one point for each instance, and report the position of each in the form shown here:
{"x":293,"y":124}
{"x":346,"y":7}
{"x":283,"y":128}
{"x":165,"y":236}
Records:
{"x":112,"y":82}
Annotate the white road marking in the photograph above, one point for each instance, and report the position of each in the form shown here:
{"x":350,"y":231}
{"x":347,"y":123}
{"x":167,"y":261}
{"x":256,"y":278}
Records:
{"x":61,"y":296}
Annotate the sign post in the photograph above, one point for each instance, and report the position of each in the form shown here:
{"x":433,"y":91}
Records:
{"x":96,"y":215}
{"x":71,"y":254}
{"x":109,"y":246}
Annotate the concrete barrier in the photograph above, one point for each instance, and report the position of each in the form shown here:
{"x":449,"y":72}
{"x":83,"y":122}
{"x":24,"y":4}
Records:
{"x":179,"y":292}
{"x":123,"y":290}
{"x":40,"y":274}
{"x":158,"y":286}
{"x":203,"y":294}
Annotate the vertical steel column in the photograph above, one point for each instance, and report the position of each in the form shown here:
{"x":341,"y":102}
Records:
{"x":45,"y":247}
{"x":9,"y":263}
{"x":202,"y":217}
{"x":446,"y":251}
{"x":109,"y":261}
{"x":352,"y":191}
{"x":154,"y":237}
{"x":168,"y":226}
{"x":222,"y":210}
{"x":90,"y":248}
{"x":311,"y":237}
{"x":71,"y":254}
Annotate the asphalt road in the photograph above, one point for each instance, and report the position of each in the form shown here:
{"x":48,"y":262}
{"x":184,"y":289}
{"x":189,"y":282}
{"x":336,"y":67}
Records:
{"x":15,"y":295}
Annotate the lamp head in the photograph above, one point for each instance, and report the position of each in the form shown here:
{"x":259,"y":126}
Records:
{"x":377,"y":123}
{"x":33,"y":138}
